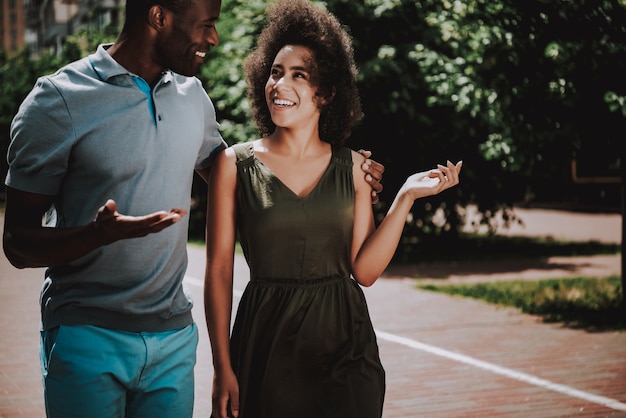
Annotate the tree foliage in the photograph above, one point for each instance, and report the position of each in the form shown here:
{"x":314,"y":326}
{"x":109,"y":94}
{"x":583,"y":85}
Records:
{"x":515,"y":89}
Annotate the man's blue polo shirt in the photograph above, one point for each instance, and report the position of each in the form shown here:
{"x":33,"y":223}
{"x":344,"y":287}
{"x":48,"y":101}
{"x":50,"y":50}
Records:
{"x":91,"y":132}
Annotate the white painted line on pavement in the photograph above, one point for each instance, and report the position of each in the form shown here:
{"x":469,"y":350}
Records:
{"x":522,"y":377}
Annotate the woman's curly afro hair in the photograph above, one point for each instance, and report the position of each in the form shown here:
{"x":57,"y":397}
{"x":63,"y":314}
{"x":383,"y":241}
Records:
{"x":300,"y":22}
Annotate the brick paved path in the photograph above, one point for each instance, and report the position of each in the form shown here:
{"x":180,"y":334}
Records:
{"x":444,"y":356}
{"x":454,"y":357}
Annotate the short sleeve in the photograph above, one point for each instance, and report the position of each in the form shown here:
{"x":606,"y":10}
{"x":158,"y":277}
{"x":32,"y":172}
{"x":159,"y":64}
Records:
{"x":41,"y":141}
{"x":213,"y":142}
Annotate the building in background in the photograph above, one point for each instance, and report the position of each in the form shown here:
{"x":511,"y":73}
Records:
{"x":11,"y":25}
{"x":43,"y":25}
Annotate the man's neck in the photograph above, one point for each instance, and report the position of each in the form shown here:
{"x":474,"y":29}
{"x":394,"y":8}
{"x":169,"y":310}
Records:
{"x":135,"y":53}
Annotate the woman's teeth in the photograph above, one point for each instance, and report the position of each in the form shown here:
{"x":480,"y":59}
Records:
{"x":283,"y":102}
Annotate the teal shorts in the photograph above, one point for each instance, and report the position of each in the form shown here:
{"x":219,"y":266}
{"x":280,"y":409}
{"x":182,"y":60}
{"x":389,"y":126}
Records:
{"x":91,"y":372}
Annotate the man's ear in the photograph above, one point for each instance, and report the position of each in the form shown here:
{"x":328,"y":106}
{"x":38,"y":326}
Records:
{"x":156,"y":17}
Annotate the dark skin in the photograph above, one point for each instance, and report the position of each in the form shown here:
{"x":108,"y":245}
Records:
{"x":144,"y":49}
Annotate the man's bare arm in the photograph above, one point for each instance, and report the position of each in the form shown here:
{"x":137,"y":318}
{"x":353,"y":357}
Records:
{"x":27,"y":243}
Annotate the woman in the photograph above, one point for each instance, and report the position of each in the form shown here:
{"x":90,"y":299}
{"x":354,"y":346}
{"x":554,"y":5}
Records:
{"x":302,"y":344}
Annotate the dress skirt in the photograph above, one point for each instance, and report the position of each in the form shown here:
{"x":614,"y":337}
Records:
{"x":306,"y":349}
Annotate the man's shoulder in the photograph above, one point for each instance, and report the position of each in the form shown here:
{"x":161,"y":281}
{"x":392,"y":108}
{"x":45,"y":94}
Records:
{"x":186,"y":82}
{"x":71,"y":74}
{"x":191,"y":89}
{"x":52,"y":89}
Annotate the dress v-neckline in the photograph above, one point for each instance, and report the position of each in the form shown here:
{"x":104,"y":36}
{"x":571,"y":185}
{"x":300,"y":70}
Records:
{"x":284,"y":185}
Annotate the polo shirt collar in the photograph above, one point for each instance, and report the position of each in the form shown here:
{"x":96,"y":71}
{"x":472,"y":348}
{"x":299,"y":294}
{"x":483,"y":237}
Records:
{"x":106,"y":67}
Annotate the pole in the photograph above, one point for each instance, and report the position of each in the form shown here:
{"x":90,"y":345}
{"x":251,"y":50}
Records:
{"x":623,"y":260}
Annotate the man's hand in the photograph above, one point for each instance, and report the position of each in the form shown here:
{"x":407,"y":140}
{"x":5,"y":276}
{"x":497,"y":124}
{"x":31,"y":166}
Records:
{"x":112,"y":226}
{"x":29,"y":244}
{"x":373,"y":174}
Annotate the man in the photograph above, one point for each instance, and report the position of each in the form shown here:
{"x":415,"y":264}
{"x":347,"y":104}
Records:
{"x":104,"y":151}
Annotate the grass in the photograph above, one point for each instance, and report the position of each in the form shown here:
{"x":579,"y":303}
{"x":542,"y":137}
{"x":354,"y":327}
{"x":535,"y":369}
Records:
{"x":583,"y":302}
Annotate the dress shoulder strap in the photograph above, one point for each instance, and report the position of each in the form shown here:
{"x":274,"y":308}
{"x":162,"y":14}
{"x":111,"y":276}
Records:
{"x":243,"y":151}
{"x":342,"y":156}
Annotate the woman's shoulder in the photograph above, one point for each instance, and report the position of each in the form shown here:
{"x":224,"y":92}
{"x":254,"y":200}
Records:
{"x":357,"y":173}
{"x":357,"y":157}
{"x":348,"y":154}
{"x":243,"y":150}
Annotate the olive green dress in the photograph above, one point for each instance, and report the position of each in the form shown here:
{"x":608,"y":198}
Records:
{"x":302,"y":345}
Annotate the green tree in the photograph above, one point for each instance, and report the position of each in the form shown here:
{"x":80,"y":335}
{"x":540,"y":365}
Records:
{"x":515,"y":89}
